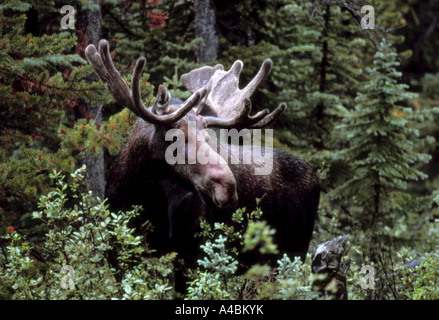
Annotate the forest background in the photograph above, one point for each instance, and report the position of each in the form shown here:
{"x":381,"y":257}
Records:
{"x":362,"y":110}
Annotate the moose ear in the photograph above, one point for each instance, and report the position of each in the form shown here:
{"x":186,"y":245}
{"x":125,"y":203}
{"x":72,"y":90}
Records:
{"x":198,"y":78}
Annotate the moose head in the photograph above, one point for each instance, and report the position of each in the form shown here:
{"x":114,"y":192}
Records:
{"x":216,"y":101}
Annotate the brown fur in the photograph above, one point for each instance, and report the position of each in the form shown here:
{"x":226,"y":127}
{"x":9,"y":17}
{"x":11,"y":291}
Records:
{"x":290,"y":197}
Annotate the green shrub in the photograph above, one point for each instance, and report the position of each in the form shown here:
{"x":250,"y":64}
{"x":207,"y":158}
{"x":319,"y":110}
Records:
{"x":109,"y":260}
{"x":82,"y":232}
{"x":218,"y":275}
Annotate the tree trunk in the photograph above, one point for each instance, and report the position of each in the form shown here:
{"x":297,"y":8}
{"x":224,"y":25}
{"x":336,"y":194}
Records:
{"x":205,"y":28}
{"x":89,"y":31}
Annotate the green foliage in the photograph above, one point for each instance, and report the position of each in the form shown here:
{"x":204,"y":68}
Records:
{"x":218,"y":278}
{"x":420,"y":277}
{"x":81,"y":232}
{"x":259,"y":235}
{"x":45,"y":87}
{"x":219,"y":266}
{"x":422,"y":280}
{"x":292,"y":280}
{"x":167,"y":40}
{"x":383,"y":146}
{"x":350,"y":114}
{"x":41,"y":80}
{"x":217,"y":260}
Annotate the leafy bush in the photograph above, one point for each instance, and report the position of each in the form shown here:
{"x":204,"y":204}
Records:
{"x":420,"y":275}
{"x":421,"y":278}
{"x":90,"y":252}
{"x":219,"y":277}
{"x":83,"y":233}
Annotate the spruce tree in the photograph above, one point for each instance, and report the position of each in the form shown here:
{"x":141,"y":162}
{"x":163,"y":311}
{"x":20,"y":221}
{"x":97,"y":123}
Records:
{"x":383,"y":147}
{"x":162,"y":31}
{"x":38,"y":82}
{"x":382,"y":153}
{"x":318,"y":54}
{"x":44,"y":124}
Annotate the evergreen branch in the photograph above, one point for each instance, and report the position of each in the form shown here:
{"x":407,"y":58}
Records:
{"x":130,"y":32}
{"x":53,"y":87}
{"x":352,"y":8}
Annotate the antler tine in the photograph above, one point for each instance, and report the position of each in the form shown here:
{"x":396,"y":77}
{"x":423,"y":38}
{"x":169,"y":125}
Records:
{"x":258,"y":116}
{"x":114,"y":82}
{"x":243,"y":119}
{"x":262,"y":74}
{"x":191,"y":102}
{"x":95,"y":61}
{"x":271,"y":117}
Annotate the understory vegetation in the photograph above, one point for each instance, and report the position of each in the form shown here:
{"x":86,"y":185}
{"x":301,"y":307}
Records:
{"x":81,"y":232}
{"x":362,"y":109}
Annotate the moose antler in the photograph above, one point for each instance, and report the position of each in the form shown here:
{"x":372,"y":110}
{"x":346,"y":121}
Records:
{"x":104,"y":67}
{"x":231,"y":105}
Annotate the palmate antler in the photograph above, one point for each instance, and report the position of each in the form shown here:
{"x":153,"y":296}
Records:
{"x":103,"y":65}
{"x":230,"y":105}
{"x":212,"y":88}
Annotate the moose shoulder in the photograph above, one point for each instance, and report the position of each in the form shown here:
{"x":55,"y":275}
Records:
{"x":174,"y":196}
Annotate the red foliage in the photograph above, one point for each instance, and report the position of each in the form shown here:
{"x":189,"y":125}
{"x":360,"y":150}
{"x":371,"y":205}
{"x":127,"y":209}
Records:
{"x":70,"y":103}
{"x":88,"y":115}
{"x":11,"y":230}
{"x":82,"y":42}
{"x":158,"y":20}
{"x":37,"y":137}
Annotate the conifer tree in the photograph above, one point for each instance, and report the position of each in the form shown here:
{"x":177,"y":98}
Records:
{"x":35,"y":95}
{"x":44,"y":125}
{"x":162,"y":31}
{"x":324,"y":66}
{"x":383,"y":150}
{"x":317,"y":54}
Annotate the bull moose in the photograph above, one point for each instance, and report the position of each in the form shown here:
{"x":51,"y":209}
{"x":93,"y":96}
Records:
{"x":175,"y":196}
